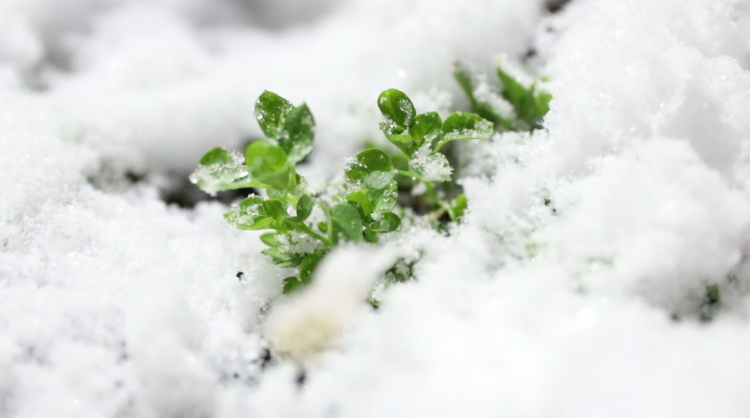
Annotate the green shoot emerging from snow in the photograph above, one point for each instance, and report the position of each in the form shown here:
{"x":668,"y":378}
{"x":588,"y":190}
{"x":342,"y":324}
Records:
{"x":301,"y":227}
{"x":527,"y":103}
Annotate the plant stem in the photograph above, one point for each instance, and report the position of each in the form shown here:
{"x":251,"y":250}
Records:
{"x":412,"y":175}
{"x":436,"y":215}
{"x":431,"y":192}
{"x":440,"y":145}
{"x":307,"y":230}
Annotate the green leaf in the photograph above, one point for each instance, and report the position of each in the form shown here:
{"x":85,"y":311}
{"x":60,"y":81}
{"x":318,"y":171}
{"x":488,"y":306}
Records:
{"x":304,"y":207}
{"x":371,"y":169}
{"x":384,"y":199}
{"x":221,"y":169}
{"x":398,"y":110}
{"x":271,"y":239}
{"x":370,"y":235}
{"x":462,"y":126}
{"x":386,"y":222}
{"x":268,"y":164}
{"x":309,"y":264}
{"x":513,"y":91}
{"x":541,"y":102}
{"x":530,"y":105}
{"x":359,"y":197}
{"x":464,"y":80}
{"x":399,"y":114}
{"x":347,"y":219}
{"x":271,"y":111}
{"x":456,"y":211}
{"x":713,"y":294}
{"x":479,"y":107}
{"x":433,"y":167}
{"x":262,"y":157}
{"x":217,"y":155}
{"x":426,"y":128}
{"x":283,"y":258}
{"x":402,"y":271}
{"x":296,"y":137}
{"x":291,"y":284}
{"x":275,"y":209}
{"x":250,"y":214}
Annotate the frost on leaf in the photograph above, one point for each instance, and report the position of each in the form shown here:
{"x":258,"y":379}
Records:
{"x":248,"y":214}
{"x":432,"y":167}
{"x":472,"y":128}
{"x":485,"y":93}
{"x":296,"y":137}
{"x":399,"y":114}
{"x":371,"y":169}
{"x":378,"y":179}
{"x":221,"y":169}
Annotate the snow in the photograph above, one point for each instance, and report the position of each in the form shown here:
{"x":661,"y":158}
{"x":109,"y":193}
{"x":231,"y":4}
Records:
{"x":431,"y":167}
{"x":575,"y":286}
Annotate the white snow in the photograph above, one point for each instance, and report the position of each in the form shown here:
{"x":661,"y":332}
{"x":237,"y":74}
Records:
{"x":575,"y":286}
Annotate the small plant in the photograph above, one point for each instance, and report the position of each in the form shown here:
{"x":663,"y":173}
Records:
{"x":360,"y":211}
{"x":304,"y":226}
{"x":528,"y":105}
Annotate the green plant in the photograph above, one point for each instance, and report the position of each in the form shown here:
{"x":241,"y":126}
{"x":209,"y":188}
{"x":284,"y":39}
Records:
{"x":362,"y":210}
{"x":304,"y":226}
{"x":528,"y":104}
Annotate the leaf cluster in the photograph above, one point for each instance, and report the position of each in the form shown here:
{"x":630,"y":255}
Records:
{"x":301,"y":227}
{"x":530,"y":104}
{"x":420,"y":137}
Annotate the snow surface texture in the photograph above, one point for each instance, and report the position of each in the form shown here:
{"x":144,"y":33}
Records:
{"x":573,"y":289}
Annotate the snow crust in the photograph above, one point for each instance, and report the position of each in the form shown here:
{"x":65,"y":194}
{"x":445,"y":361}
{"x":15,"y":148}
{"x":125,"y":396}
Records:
{"x":574,"y":288}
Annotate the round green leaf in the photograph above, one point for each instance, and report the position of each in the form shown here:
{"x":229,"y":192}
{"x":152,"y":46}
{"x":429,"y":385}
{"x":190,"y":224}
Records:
{"x":271,"y":239}
{"x":384,"y":199}
{"x":309,"y":264}
{"x":398,"y":110}
{"x":296,"y":138}
{"x":271,"y":110}
{"x":385,"y":222}
{"x":347,"y":219}
{"x":463,"y":125}
{"x":304,"y":207}
{"x":291,"y":284}
{"x":359,"y":197}
{"x":221,"y":169}
{"x":250,"y":214}
{"x":275,"y":209}
{"x":268,"y":164}
{"x":426,"y":128}
{"x":262,"y":157}
{"x":433,"y":167}
{"x":371,"y":168}
{"x":217,"y":155}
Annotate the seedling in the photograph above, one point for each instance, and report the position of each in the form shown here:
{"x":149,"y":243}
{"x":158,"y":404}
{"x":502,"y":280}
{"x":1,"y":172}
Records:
{"x":303,"y":227}
{"x":528,"y":104}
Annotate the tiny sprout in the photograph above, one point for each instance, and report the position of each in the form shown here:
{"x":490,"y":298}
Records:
{"x":302,"y":228}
